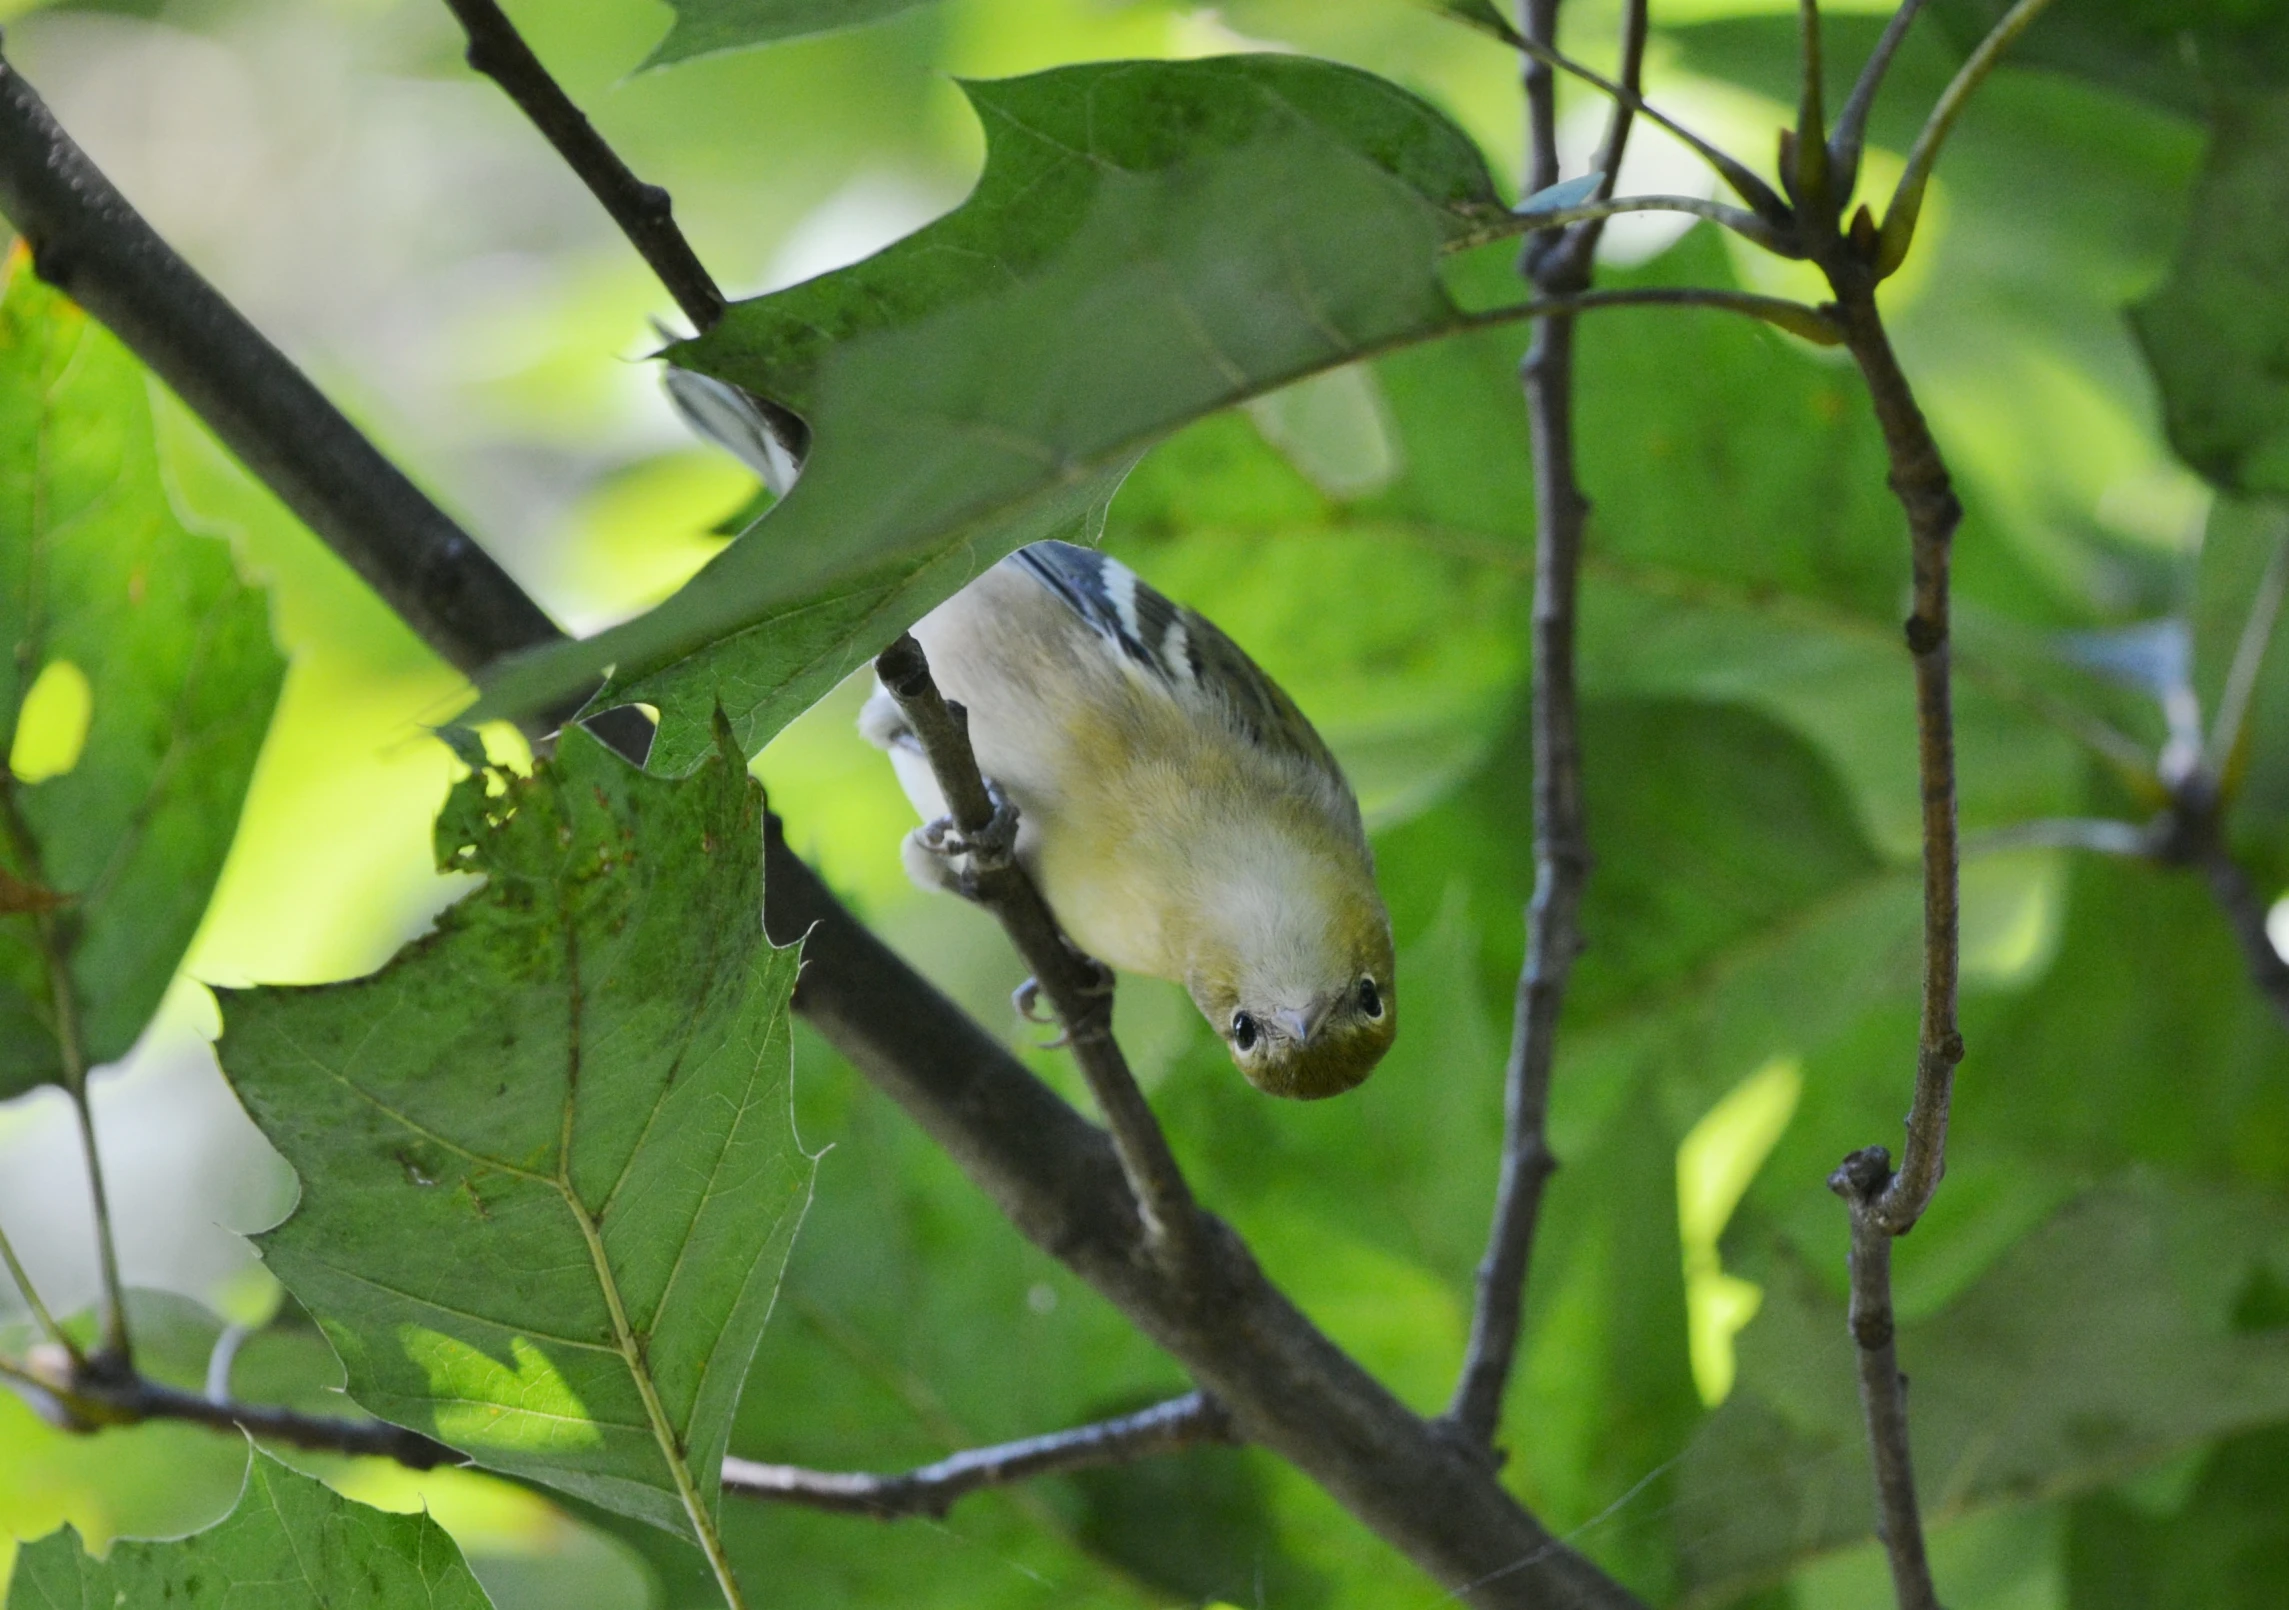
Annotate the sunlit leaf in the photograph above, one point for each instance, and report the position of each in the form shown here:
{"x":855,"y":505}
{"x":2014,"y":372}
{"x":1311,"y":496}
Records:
{"x":156,"y":677}
{"x":1150,"y":242}
{"x":549,"y":1173}
{"x":291,"y":1543}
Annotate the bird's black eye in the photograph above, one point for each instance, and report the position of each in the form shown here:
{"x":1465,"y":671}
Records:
{"x":1243,"y":1031}
{"x":1370,"y":998}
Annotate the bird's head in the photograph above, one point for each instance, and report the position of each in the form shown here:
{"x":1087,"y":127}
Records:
{"x":1310,"y":1013}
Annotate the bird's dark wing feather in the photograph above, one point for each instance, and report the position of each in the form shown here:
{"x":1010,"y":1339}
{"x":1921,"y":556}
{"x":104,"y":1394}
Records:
{"x":1179,"y":649}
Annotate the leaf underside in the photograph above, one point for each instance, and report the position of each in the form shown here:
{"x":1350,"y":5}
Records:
{"x":704,"y":27}
{"x":288,"y":1544}
{"x":549,"y":1169}
{"x":1150,"y":242}
{"x":95,"y":569}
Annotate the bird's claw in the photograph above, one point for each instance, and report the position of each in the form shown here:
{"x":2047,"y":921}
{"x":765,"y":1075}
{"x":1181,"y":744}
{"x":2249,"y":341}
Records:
{"x":1027,"y":999}
{"x":965,"y":857}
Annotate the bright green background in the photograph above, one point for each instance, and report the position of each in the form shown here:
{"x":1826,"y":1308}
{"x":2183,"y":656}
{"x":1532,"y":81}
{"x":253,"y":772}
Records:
{"x":2097,"y":1304}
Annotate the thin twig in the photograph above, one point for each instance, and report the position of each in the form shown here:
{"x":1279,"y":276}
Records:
{"x":2245,"y":913}
{"x":933,"y":1489}
{"x":1797,"y":318}
{"x":1739,"y":220}
{"x":2099,"y":835}
{"x":1078,"y":988}
{"x":1920,"y":481}
{"x":643,"y":211}
{"x":1561,"y":832}
{"x":83,"y":1402}
{"x":1861,"y":1181}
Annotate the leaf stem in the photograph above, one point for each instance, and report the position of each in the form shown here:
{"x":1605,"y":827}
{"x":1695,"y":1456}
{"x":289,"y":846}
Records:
{"x":1751,"y":189}
{"x":643,"y":211}
{"x":31,"y":1295}
{"x":931,"y":1490}
{"x":1845,"y":145}
{"x":1898,"y":229}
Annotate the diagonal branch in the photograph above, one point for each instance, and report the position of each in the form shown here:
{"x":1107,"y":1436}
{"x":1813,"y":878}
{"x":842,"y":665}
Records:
{"x":643,"y":211}
{"x":1561,"y":832}
{"x":1053,"y":1173}
{"x":1186,"y":1422}
{"x":1079,"y":988}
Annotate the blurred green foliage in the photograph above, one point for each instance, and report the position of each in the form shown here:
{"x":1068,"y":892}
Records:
{"x":2096,"y":1309}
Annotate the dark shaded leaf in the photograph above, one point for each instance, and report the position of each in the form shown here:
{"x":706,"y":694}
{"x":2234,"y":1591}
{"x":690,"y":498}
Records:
{"x":1150,"y":242}
{"x":2217,"y":333}
{"x":2223,"y":1550}
{"x":2098,"y":1345}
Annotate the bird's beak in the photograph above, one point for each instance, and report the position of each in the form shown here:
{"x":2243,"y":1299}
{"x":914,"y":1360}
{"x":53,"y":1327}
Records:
{"x":1295,"y":1025}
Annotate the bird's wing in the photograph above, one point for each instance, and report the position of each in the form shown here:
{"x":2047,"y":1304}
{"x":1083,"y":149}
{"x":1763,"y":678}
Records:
{"x":1181,"y":652}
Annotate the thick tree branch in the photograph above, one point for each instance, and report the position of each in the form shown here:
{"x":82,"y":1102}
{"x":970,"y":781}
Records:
{"x":931,"y":1490}
{"x":1079,"y":989}
{"x":1286,"y":1386}
{"x":1561,"y":834}
{"x":643,"y":211}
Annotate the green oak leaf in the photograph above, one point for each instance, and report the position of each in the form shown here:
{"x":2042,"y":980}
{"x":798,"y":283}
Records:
{"x":1150,"y":242}
{"x":291,"y":1543}
{"x":2217,"y":333}
{"x":704,"y":27}
{"x":138,"y":633}
{"x":548,"y":1160}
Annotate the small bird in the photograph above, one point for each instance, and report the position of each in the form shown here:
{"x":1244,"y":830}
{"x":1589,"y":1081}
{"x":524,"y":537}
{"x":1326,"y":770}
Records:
{"x":1175,"y":808}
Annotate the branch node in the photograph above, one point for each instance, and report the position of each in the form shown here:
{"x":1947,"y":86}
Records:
{"x":1925,"y":636}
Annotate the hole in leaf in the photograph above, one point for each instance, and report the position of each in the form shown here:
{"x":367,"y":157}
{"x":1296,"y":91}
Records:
{"x":51,"y":727}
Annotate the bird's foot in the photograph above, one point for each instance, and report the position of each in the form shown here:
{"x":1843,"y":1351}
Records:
{"x":964,"y":857}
